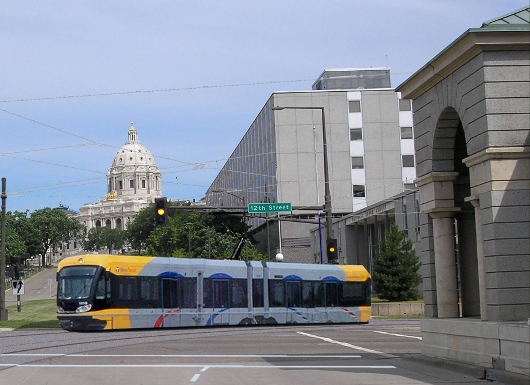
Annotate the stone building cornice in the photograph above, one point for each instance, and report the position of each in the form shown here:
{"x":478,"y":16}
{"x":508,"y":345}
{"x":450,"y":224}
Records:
{"x":470,"y":44}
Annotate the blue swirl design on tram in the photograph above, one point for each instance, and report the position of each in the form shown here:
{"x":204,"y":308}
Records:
{"x":170,"y":274}
{"x":214,"y":316}
{"x":220,"y":276}
{"x":293,"y":278}
{"x":330,"y":278}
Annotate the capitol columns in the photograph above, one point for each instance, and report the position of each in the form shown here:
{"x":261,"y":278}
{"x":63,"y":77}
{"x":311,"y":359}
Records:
{"x":437,"y":200}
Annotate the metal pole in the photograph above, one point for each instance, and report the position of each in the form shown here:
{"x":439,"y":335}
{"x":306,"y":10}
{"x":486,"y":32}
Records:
{"x":3,"y":310}
{"x":209,"y":244}
{"x":246,"y":231}
{"x":320,"y":239}
{"x":327,"y":193}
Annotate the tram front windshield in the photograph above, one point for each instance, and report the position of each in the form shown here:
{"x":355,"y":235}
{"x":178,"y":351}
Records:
{"x":75,"y":282}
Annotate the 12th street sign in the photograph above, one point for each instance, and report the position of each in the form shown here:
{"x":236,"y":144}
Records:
{"x":269,"y":207}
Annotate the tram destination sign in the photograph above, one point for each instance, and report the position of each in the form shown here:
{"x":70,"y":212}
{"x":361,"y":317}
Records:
{"x":269,"y":207}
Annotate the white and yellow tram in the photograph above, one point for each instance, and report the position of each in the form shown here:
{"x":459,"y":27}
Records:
{"x":103,"y":292}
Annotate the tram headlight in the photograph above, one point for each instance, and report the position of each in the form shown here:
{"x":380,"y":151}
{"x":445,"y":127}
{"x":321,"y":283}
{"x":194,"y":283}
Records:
{"x":83,"y":308}
{"x":60,"y":309}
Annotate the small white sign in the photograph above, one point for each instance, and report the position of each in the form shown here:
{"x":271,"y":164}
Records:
{"x":18,"y":287}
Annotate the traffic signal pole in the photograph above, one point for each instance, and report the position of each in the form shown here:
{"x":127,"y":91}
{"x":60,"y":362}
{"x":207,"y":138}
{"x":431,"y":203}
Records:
{"x":3,"y":310}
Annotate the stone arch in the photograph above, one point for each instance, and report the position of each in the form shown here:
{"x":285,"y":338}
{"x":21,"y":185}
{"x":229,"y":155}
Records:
{"x":98,"y":223}
{"x":119,"y":224}
{"x":108,"y":224}
{"x":453,"y":220}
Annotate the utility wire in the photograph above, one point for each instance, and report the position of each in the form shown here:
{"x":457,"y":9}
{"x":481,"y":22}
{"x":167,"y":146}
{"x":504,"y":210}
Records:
{"x":159,"y":90}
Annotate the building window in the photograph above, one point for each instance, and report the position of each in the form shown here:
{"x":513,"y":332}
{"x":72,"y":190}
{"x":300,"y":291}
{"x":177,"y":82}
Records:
{"x":408,"y":160}
{"x":405,"y":219}
{"x":417,"y":215}
{"x":354,"y":106}
{"x":408,"y":186}
{"x":357,"y":162}
{"x":406,"y":133}
{"x":359,"y":191}
{"x":404,"y":105}
{"x":143,"y":183}
{"x":131,"y":183}
{"x":120,"y":184}
{"x":356,"y":134}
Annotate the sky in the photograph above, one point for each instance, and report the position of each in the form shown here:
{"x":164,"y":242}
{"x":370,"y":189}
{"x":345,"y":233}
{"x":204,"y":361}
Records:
{"x":191,"y":75}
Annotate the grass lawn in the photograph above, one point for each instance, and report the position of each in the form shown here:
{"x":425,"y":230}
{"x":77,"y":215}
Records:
{"x":33,"y":314}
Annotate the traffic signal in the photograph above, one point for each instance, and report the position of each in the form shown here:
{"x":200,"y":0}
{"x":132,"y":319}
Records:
{"x":331,"y":250}
{"x":160,"y":211}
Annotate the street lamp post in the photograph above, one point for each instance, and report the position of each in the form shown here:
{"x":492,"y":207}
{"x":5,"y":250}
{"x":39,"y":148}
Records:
{"x":327,"y":193}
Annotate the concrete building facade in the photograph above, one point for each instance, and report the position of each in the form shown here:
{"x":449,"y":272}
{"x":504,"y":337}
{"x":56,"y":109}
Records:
{"x":370,"y":150}
{"x":472,"y":125}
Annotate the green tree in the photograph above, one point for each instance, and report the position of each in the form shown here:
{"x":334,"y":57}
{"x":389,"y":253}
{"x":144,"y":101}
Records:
{"x":188,"y":233}
{"x":15,"y":247}
{"x":49,"y":228}
{"x":396,"y":268}
{"x":140,"y":228}
{"x":98,"y":238}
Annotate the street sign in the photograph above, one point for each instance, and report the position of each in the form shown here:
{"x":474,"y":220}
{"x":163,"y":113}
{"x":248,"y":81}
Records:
{"x":18,"y":287}
{"x":269,"y":207}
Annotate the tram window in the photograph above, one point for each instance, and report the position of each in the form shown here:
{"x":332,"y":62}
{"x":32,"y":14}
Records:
{"x":149,"y":292}
{"x":294,"y":298}
{"x":127,"y":290}
{"x":307,"y":294}
{"x":318,"y":294}
{"x":276,"y":294}
{"x":220,"y":293}
{"x":332,"y":294}
{"x":207,"y":293}
{"x":238,"y":293}
{"x":170,"y":293}
{"x":188,"y":293}
{"x":257,"y":293}
{"x":352,"y":294}
{"x":100,"y":288}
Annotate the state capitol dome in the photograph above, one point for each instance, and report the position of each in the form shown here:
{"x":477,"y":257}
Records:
{"x":134,"y":174}
{"x":133,"y":182}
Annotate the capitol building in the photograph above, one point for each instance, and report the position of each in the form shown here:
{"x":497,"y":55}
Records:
{"x":133,"y":182}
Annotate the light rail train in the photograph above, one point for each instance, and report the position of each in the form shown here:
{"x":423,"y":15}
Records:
{"x":104,"y":292}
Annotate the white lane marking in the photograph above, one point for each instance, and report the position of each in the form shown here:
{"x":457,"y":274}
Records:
{"x":184,"y":355}
{"x":348,"y":345}
{"x":33,"y":354}
{"x":209,"y":366}
{"x":205,"y":368}
{"x":397,"y":335}
{"x":195,"y":378}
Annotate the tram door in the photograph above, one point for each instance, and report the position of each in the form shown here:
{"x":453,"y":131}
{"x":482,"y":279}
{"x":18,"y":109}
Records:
{"x":170,"y":290}
{"x":220,"y":302}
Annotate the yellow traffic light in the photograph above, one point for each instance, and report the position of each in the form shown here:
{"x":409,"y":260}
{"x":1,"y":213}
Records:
{"x":160,"y":211}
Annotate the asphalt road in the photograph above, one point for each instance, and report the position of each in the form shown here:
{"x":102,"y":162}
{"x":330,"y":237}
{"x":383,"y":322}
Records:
{"x":381,"y":352}
{"x":36,"y":287}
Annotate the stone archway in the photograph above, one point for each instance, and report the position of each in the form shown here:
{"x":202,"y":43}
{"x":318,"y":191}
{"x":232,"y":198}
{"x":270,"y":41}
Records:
{"x":449,"y":152}
{"x":444,"y":194}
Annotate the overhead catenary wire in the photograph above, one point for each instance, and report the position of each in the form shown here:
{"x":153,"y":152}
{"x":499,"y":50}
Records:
{"x":100,"y":94}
